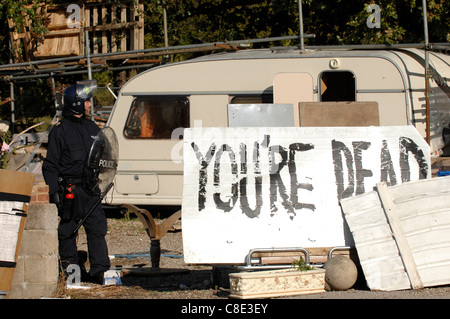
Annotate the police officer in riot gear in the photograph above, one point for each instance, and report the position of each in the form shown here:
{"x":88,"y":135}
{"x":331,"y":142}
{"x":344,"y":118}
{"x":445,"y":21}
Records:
{"x":65,"y":172}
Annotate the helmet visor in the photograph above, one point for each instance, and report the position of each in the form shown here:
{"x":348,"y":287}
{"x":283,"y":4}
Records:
{"x":86,"y":89}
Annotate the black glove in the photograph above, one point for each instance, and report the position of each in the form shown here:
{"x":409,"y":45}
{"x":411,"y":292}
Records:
{"x":56,"y":199}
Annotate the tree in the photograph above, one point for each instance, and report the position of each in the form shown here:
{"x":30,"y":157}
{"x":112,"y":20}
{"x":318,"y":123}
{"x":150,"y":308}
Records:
{"x":333,"y":22}
{"x":17,"y":11}
{"x":195,"y":22}
{"x":401,"y":22}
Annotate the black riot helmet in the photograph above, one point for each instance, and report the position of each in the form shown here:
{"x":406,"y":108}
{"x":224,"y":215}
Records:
{"x":75,"y":95}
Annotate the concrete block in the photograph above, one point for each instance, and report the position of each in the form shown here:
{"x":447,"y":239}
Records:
{"x":32,"y":291}
{"x":41,"y":269}
{"x":39,"y":243}
{"x":36,"y":272}
{"x":42,"y":216}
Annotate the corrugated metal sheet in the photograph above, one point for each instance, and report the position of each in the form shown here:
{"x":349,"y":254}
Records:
{"x":423,"y":211}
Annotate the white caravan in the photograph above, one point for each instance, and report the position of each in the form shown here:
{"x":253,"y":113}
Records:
{"x":153,"y":106}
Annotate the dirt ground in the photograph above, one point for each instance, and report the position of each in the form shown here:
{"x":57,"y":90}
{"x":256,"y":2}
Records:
{"x":129,"y":248}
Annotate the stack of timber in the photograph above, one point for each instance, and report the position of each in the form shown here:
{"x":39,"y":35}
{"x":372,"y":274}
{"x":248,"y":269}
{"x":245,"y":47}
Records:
{"x":402,"y":234}
{"x":112,"y":27}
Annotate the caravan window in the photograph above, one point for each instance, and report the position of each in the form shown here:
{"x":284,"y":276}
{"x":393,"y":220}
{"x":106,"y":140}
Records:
{"x":252,"y":99}
{"x":337,"y":86}
{"x":155,"y":117}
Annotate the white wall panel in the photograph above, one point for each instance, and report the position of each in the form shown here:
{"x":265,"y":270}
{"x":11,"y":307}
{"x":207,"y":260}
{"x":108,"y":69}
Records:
{"x":301,"y":174}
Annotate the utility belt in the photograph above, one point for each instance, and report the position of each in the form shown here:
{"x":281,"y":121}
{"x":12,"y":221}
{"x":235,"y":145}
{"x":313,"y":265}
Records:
{"x":69,"y":191}
{"x":68,"y":195}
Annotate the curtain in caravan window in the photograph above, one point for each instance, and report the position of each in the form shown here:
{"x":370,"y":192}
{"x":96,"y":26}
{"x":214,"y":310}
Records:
{"x":154,"y":117}
{"x":252,"y":99}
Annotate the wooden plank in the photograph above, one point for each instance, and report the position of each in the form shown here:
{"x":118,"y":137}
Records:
{"x":104,"y":34}
{"x":94,"y":35}
{"x":63,"y":33}
{"x":112,"y":26}
{"x":87,"y":16}
{"x":136,"y":36}
{"x":399,"y":235}
{"x":339,"y":114}
{"x":15,"y":40}
{"x":123,"y":19}
{"x":140,"y":29}
{"x":28,"y":44}
{"x":113,"y":32}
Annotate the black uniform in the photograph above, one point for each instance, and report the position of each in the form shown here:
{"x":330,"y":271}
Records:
{"x":69,"y":143}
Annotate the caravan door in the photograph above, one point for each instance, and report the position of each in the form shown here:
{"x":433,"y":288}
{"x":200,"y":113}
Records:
{"x":292,"y":88}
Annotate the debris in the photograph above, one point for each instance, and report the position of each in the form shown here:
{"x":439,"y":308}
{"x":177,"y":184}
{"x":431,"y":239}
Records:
{"x":401,"y":234}
{"x":341,"y":273}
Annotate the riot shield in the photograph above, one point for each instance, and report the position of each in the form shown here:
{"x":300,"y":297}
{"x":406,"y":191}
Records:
{"x":102,"y":161}
{"x":101,"y":166}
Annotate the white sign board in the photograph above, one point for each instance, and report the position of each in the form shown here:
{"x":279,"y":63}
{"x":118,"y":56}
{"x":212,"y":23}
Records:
{"x":247,"y":188}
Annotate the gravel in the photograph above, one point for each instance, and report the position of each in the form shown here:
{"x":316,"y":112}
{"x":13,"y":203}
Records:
{"x":129,"y":248}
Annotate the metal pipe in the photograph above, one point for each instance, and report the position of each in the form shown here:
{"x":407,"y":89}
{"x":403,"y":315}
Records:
{"x":427,"y":73}
{"x":110,"y":91}
{"x":167,"y":48}
{"x":248,"y":258}
{"x":129,"y":256}
{"x":440,"y":46}
{"x":368,"y":46}
{"x":88,"y":55}
{"x":265,"y":267}
{"x":300,"y":21}
{"x":83,"y":71}
{"x":190,"y":46}
{"x":13,"y":115}
{"x":166,"y":40}
{"x":49,"y":71}
{"x":332,"y":250}
{"x":88,"y":59}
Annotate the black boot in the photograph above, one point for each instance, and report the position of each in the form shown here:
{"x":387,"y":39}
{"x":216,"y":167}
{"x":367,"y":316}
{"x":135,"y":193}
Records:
{"x":98,"y":278}
{"x":82,"y":258}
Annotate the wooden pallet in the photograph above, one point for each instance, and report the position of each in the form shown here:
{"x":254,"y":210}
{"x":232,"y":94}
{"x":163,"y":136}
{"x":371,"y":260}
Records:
{"x":112,"y":27}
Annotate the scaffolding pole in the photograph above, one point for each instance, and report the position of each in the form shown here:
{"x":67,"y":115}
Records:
{"x":427,"y":74}
{"x":89,"y":70}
